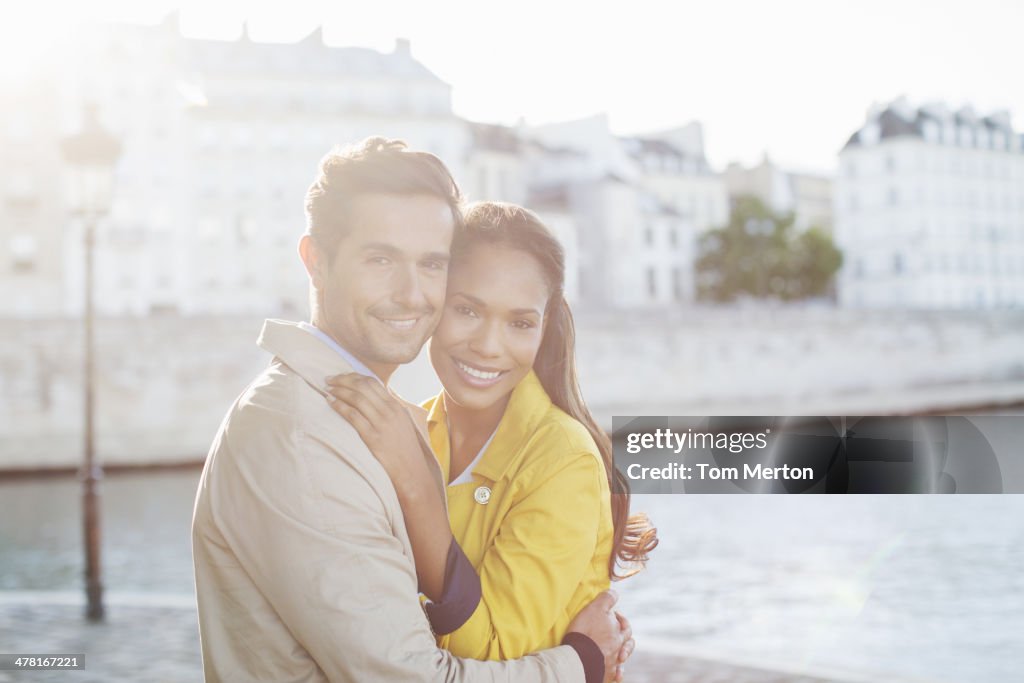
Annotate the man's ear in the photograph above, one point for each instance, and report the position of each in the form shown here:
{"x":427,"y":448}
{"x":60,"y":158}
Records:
{"x":313,"y":258}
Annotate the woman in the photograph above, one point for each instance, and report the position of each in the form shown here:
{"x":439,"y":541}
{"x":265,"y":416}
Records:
{"x":533,"y":497}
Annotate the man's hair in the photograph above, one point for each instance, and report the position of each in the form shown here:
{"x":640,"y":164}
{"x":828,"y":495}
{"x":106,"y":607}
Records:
{"x":376,"y":165}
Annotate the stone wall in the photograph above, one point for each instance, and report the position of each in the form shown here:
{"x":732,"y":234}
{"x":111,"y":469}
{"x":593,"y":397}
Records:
{"x":164,"y":384}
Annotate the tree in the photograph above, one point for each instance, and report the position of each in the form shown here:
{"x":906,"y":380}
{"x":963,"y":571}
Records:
{"x":759,"y":253}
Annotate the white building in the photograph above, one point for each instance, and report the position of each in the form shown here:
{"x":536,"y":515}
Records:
{"x":33,"y":226}
{"x":640,"y":203}
{"x":929,"y":210}
{"x":220,"y":140}
{"x":808,"y":196}
{"x":495,"y":165}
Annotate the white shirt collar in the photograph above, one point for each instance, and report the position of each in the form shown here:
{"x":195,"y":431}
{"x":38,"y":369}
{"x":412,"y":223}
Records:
{"x":356,"y":364}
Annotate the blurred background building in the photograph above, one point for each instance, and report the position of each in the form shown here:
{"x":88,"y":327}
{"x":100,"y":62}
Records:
{"x":930,"y":210}
{"x":221,"y":138}
{"x":806,"y":195}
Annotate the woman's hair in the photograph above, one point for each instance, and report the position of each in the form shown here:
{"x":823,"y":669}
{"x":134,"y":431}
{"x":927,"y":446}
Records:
{"x":512,"y":226}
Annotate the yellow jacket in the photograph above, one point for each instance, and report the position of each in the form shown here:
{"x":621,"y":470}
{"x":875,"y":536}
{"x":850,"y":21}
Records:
{"x":541,"y":542}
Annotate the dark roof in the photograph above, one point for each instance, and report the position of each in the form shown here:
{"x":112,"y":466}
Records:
{"x":644,"y":146}
{"x":494,"y":137}
{"x":550,"y":196}
{"x":553,"y":150}
{"x":891,"y":124}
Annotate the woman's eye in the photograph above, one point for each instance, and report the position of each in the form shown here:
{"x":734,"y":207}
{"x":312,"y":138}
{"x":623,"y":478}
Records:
{"x":465,"y":310}
{"x":522,"y":324}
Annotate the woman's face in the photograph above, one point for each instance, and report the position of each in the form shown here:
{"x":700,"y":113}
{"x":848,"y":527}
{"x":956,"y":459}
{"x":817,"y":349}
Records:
{"x":492,"y":325}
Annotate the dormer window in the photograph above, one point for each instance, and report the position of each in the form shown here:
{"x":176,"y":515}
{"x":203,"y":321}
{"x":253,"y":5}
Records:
{"x":870,"y":134}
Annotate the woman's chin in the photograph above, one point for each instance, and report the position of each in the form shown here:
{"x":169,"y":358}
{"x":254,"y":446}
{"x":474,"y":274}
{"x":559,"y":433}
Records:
{"x":471,"y":398}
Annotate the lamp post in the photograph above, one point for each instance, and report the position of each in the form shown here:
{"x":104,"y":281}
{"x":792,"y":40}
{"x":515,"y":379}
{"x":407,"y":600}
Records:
{"x":91,"y":153}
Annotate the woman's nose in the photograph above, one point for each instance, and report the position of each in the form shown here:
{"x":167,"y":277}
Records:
{"x":487,"y":341}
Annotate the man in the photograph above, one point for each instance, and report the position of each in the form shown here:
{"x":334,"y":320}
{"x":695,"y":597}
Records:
{"x":304,"y":571}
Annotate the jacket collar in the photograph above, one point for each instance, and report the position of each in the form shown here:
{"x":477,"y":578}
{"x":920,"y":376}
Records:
{"x":308,"y":356}
{"x":526,"y":407}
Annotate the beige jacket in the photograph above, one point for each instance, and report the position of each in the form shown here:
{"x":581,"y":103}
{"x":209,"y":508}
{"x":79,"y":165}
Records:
{"x":303,"y":566}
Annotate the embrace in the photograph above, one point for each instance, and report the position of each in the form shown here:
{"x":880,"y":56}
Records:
{"x":342,"y":534}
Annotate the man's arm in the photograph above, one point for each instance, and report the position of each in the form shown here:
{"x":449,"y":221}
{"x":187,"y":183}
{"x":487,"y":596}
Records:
{"x":317,"y":540}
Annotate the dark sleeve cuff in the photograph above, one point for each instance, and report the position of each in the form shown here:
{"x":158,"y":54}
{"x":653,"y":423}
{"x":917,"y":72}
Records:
{"x":461,"y":594}
{"x":590,"y":655}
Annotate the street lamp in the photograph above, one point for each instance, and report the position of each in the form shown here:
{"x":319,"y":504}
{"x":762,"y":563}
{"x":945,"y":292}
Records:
{"x":91,"y":154}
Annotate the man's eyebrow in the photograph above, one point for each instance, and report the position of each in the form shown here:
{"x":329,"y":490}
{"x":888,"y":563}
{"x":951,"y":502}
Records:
{"x":379,"y":246}
{"x":392,"y":249}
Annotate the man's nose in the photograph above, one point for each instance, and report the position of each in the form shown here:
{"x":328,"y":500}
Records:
{"x":407,"y":290}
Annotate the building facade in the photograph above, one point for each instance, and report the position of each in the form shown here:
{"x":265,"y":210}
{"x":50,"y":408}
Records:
{"x":639,"y":202}
{"x":929,"y":210}
{"x":220,"y":140}
{"x":808,"y":196}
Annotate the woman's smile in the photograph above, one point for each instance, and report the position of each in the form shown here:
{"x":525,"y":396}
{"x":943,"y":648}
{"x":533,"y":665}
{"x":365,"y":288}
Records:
{"x":477,"y":375}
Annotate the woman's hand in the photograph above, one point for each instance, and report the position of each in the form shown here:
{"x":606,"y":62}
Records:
{"x":387,"y":428}
{"x":381,"y":420}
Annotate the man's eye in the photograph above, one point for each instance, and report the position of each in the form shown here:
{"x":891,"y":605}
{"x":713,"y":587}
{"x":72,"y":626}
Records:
{"x":434,"y":265}
{"x":379,"y":260}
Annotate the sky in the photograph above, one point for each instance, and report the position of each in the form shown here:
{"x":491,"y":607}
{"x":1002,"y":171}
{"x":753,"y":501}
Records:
{"x":788,"y":78}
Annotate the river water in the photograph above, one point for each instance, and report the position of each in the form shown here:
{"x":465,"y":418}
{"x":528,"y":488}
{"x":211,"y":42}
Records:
{"x":889,"y":588}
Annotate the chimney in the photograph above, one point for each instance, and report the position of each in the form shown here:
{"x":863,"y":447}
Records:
{"x":172,"y":21}
{"x":402,"y":47}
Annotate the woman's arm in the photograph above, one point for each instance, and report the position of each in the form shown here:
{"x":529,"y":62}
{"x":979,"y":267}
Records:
{"x":388,"y":431}
{"x":541,"y":553}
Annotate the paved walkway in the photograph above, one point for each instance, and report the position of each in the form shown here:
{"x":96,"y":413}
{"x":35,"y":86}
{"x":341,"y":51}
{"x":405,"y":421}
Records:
{"x":160,"y":643}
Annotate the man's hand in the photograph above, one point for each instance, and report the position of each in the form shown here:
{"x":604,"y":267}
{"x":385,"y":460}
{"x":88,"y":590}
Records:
{"x":610,"y":630}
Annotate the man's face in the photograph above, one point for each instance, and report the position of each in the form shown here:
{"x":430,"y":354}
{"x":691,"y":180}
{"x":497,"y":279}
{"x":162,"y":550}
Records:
{"x":383,"y":294}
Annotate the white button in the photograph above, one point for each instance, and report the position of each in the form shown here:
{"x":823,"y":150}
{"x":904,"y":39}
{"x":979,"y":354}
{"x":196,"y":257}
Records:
{"x":482,"y":495}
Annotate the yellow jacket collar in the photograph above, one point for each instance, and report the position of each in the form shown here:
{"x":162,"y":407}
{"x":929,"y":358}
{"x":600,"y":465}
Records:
{"x":526,"y":408}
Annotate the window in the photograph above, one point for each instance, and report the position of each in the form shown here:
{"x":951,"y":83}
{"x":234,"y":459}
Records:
{"x":23,"y":253}
{"x":897,"y":264}
{"x":481,"y":179}
{"x":677,"y":283}
{"x":652,"y":283}
{"x":648,"y":235}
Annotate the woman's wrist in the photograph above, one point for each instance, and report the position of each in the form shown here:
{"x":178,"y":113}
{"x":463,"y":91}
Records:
{"x":413,"y":483}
